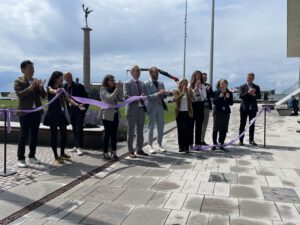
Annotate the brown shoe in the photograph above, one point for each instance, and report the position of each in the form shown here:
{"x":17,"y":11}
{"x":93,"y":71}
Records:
{"x":141,"y":152}
{"x":132,"y":155}
{"x":252,"y":143}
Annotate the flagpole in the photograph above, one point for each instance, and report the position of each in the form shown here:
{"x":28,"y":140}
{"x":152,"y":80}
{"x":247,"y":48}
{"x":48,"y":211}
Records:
{"x":211,"y":71}
{"x":185,"y":36}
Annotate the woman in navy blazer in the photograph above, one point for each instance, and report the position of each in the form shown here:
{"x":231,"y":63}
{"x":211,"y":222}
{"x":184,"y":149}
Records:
{"x":223,"y":99}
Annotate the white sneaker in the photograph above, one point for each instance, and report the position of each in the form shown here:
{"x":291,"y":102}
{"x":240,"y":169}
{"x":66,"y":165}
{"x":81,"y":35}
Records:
{"x":161,"y":148}
{"x":151,"y":149}
{"x":79,"y":152}
{"x":34,"y":161}
{"x":73,"y":150}
{"x":22,"y":164}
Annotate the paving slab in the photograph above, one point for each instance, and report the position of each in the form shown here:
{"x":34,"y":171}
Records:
{"x":247,"y":221}
{"x":218,"y":220}
{"x":245,"y":191}
{"x":104,"y":194}
{"x":134,"y":197}
{"x":175,"y":201}
{"x":219,"y":205}
{"x":198,"y":219}
{"x":159,"y":199}
{"x":177,"y":217}
{"x":193,"y":202}
{"x":280,"y":195}
{"x":223,"y":177}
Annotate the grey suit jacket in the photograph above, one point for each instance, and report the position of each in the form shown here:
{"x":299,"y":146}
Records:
{"x":112,"y":99}
{"x":151,"y":92}
{"x":130,"y":90}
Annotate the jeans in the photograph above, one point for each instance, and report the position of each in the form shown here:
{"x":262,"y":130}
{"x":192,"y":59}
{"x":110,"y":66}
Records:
{"x":29,"y":123}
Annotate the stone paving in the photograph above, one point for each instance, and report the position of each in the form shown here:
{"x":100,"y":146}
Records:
{"x":248,"y":186}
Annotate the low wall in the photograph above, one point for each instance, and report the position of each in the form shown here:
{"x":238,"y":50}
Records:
{"x":92,"y":136}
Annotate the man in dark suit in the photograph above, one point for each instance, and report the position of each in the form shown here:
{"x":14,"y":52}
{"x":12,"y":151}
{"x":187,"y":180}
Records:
{"x":76,"y":115}
{"x":249,"y":93}
{"x":29,"y":92}
{"x":135,"y":112}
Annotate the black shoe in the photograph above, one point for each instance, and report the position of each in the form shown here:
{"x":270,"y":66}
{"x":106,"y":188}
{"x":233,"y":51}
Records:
{"x":252,"y":143}
{"x":141,"y":152}
{"x":298,"y":131}
{"x":204,"y":143}
{"x":106,"y":156}
{"x":298,"y":121}
{"x":241,"y":143}
{"x":213,"y":148}
{"x":114,"y":156}
{"x":181,"y":150}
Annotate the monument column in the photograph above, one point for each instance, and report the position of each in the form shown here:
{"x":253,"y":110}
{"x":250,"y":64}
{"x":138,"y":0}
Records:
{"x":86,"y":57}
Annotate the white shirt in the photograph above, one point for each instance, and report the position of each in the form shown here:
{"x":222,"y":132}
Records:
{"x":184,"y":103}
{"x":200,"y":94}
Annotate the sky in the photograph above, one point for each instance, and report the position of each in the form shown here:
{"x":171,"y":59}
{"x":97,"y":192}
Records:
{"x":250,"y":36}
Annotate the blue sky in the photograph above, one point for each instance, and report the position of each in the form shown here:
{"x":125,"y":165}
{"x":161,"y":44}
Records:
{"x":250,"y":35}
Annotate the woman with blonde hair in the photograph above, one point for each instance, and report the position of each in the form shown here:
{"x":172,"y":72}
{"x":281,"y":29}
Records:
{"x":199,"y":91}
{"x":184,"y":98}
{"x":223,"y":99}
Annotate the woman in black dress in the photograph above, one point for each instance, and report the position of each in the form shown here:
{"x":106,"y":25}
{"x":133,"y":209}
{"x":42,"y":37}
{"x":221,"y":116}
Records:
{"x":56,"y":116}
{"x":223,"y":99}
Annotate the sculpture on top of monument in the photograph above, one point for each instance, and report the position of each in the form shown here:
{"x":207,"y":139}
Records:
{"x":86,"y":11}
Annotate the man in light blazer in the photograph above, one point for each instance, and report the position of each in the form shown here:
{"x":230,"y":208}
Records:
{"x":155,"y":91}
{"x":135,"y":112}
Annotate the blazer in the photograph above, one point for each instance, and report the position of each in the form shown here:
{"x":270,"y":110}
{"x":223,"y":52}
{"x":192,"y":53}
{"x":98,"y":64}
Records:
{"x":151,"y":92}
{"x":190,"y":97}
{"x":27,"y":97}
{"x":130,"y":89}
{"x":222,"y":105}
{"x":112,"y":99}
{"x":249,"y":103}
{"x":77,"y":90}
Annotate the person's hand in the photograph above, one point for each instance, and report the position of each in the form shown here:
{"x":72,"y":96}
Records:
{"x":41,"y":84}
{"x":81,"y":107}
{"x":184,"y":88}
{"x":221,"y":95}
{"x":162,"y":92}
{"x":119,"y":85}
{"x":227,"y":95}
{"x":58,"y":90}
{"x":208,"y":87}
{"x":33,"y":84}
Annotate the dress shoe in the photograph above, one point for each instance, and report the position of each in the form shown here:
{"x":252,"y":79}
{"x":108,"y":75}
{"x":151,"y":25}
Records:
{"x":298,"y":131}
{"x":204,"y":143}
{"x":241,"y":143}
{"x":132,"y":155}
{"x":106,"y":156}
{"x":213,"y":148}
{"x":141,"y":152}
{"x":252,"y":143}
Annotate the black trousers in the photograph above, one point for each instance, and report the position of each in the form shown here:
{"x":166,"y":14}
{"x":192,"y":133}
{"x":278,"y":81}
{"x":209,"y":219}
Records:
{"x":222,"y":137}
{"x":198,"y":112}
{"x":244,"y":115}
{"x":63,"y":138}
{"x":184,"y":130}
{"x":110,"y":133}
{"x":29,"y":123}
{"x":77,"y":121}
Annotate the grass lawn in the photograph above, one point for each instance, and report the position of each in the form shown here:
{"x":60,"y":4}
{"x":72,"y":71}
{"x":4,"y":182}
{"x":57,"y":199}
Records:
{"x":169,"y":115}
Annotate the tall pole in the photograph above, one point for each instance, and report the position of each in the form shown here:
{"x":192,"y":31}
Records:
{"x":185,"y":36}
{"x":211,"y":70}
{"x":86,"y":57}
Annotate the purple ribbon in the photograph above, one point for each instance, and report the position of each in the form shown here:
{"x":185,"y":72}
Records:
{"x":206,"y":147}
{"x":88,"y":101}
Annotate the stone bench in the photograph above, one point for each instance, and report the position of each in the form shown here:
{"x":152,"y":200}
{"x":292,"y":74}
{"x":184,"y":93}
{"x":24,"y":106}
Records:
{"x":92,"y":136}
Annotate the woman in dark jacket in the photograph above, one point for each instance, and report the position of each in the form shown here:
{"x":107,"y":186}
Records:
{"x":223,"y":99}
{"x":57,"y":116}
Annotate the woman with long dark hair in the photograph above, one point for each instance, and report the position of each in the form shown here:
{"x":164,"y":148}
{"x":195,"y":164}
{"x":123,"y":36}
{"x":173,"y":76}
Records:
{"x":57,"y":116}
{"x":223,"y":99}
{"x":184,"y":98}
{"x":199,"y":90}
{"x":111,"y":92}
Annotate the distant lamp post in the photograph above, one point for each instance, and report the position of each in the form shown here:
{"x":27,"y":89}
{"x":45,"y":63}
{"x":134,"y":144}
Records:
{"x":211,"y":70}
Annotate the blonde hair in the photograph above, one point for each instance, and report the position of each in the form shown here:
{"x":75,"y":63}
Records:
{"x":181,"y":81}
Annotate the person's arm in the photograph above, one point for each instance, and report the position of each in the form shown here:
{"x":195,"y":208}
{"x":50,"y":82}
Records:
{"x":218,"y":98}
{"x":178,"y":95}
{"x":230,"y":99}
{"x":257,"y":93}
{"x":42,"y":91}
{"x":244,"y":95}
{"x":120,"y":96}
{"x":106,"y":96}
{"x":83,"y":94}
{"x":23,"y":93}
{"x":126,"y":90}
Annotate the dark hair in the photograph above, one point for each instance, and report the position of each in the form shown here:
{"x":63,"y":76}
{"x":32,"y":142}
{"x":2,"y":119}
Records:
{"x":54,"y":76}
{"x":218,"y":84}
{"x":105,"y":81}
{"x":193,"y":78}
{"x":25,"y":63}
{"x":251,"y":74}
{"x":152,"y":68}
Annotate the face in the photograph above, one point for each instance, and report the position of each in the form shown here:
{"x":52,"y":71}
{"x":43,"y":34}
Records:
{"x":223,"y":85}
{"x":59,"y":81}
{"x":68,"y":78}
{"x":154,"y":74}
{"x":28,"y":71}
{"x":111,"y":82}
{"x":250,"y":79}
{"x":183,"y":84}
{"x":204,"y":77}
{"x":135,"y":73}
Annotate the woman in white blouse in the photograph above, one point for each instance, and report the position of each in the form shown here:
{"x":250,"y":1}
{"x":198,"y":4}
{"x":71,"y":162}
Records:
{"x":199,"y":91}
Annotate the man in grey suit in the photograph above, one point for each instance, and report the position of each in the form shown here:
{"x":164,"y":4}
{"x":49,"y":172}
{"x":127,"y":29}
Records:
{"x":135,"y":112}
{"x":155,"y":91}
